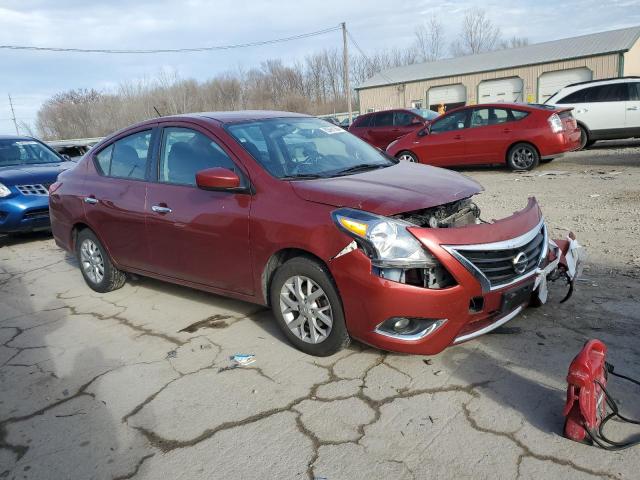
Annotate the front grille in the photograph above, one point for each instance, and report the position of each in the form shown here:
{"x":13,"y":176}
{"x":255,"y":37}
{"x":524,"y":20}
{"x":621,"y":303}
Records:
{"x":35,"y":214}
{"x":496,"y":265}
{"x":35,"y":189}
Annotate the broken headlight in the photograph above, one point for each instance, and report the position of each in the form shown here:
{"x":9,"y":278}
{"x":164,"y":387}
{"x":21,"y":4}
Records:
{"x":386,"y":240}
{"x":395,"y":254}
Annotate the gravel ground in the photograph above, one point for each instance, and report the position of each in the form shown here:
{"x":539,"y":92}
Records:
{"x":136,"y":384}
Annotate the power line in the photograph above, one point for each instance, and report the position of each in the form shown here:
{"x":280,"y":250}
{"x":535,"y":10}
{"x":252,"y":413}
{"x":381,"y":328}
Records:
{"x":364,"y":55}
{"x":171,"y":50}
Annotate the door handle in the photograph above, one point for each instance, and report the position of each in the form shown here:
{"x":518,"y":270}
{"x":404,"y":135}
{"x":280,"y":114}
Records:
{"x":457,"y":137}
{"x":632,"y":108}
{"x":161,"y":209}
{"x":507,"y":130}
{"x":91,"y":200}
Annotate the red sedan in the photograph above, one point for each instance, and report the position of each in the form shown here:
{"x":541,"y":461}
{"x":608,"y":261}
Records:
{"x":381,"y":128}
{"x":289,"y":211}
{"x":516,"y":134}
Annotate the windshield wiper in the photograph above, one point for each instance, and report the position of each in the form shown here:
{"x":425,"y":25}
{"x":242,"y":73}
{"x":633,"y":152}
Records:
{"x":302,"y":176}
{"x":361,"y":167}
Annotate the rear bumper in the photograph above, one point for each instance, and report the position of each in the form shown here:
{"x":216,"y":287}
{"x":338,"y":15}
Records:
{"x":369,"y":300}
{"x":24,"y":213}
{"x":555,"y":145}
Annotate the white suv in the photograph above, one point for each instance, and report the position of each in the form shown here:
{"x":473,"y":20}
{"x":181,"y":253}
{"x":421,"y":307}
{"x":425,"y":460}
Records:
{"x":604,"y":109}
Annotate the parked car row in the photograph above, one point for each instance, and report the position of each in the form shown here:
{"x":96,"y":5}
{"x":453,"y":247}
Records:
{"x":339,"y":239}
{"x":381,"y":128}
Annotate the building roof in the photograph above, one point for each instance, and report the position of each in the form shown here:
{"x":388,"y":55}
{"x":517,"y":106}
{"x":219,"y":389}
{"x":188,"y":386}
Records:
{"x":602,"y":43}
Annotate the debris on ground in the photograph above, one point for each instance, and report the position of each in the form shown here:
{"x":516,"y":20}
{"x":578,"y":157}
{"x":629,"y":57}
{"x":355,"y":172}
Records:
{"x":243,"y":359}
{"x":172,"y":354}
{"x":427,"y":361}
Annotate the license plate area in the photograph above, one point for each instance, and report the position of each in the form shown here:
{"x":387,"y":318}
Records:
{"x":515,"y":297}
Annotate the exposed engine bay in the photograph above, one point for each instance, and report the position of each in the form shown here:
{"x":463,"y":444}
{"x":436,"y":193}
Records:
{"x":455,"y":214}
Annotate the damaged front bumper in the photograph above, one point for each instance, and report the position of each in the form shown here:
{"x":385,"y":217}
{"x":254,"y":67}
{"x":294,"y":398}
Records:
{"x":485,"y":294}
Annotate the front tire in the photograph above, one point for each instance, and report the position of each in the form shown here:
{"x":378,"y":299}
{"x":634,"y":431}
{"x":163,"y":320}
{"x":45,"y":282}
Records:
{"x":523,"y":156}
{"x":96,"y":266}
{"x":407,"y":156}
{"x":307,"y":307}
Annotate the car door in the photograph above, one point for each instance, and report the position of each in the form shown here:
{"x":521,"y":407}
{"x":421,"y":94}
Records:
{"x":380,"y":132}
{"x":601,"y":108}
{"x":489,"y":134}
{"x":632,"y":109}
{"x":196,"y":235}
{"x":444,"y":143}
{"x":404,"y":123}
{"x":114,"y":204}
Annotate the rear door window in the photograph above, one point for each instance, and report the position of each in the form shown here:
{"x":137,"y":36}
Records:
{"x":383,"y":119}
{"x":482,"y":117}
{"x":127,"y":157}
{"x":404,"y":119}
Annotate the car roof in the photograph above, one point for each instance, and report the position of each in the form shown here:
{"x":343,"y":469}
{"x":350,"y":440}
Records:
{"x":15,"y":137}
{"x":514,"y":105}
{"x":242,"y":115}
{"x":604,"y":81}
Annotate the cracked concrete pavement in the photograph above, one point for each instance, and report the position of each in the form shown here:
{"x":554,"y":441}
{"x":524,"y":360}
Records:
{"x":136,"y":384}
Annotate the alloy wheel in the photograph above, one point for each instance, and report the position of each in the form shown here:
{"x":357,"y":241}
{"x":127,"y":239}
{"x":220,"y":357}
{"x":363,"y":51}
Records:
{"x":405,"y":157}
{"x":306,"y":309}
{"x":92,"y":261}
{"x":523,"y":158}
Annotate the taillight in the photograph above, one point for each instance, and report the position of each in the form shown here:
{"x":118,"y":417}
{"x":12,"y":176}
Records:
{"x":555,"y":123}
{"x":54,"y":186}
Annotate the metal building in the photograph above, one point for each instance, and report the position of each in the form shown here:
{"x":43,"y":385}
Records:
{"x":525,"y":74}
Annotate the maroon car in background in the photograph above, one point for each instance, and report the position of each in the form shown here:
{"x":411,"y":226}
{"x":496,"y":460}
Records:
{"x":290,"y":211}
{"x":381,"y":128}
{"x":520,"y":135}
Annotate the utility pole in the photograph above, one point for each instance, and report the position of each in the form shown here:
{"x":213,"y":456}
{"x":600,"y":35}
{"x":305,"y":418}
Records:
{"x":13,"y":114}
{"x":345,"y":67}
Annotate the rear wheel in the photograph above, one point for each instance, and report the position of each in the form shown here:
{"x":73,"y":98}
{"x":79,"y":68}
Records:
{"x":523,"y":156}
{"x":96,"y":266}
{"x":307,"y":307}
{"x":584,"y":138}
{"x":407,"y":156}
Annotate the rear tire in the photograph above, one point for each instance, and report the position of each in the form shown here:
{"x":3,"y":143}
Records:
{"x":96,"y":266}
{"x":523,"y":156}
{"x":584,"y":138}
{"x":407,"y":156}
{"x":307,"y":307}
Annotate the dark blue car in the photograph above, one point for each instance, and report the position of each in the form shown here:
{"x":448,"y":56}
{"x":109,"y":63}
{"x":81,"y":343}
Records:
{"x":27,"y":168}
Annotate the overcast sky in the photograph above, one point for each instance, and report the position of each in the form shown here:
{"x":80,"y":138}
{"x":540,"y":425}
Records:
{"x":31,"y":77}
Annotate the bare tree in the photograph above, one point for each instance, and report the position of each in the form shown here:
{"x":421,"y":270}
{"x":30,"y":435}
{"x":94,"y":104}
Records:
{"x":514,"y":42}
{"x":478,"y":34}
{"x":429,"y":40}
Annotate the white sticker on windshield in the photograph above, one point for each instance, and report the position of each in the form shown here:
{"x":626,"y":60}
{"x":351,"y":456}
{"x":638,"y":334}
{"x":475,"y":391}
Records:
{"x":332,"y":129}
{"x":26,"y":142}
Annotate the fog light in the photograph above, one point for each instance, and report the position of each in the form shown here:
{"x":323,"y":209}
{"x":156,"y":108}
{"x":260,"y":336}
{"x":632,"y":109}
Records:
{"x":401,"y":324}
{"x":408,"y":328}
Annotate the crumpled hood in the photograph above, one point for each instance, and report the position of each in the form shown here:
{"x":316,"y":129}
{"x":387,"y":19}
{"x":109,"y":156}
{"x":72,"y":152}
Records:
{"x":32,"y":174}
{"x":388,"y":191}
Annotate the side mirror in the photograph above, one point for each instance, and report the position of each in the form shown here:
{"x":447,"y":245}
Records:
{"x":66,"y":157}
{"x":424,"y":131}
{"x":217,"y":179}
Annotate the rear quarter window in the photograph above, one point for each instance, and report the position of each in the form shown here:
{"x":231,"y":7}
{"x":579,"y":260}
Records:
{"x":575,"y":97}
{"x":519,"y":114}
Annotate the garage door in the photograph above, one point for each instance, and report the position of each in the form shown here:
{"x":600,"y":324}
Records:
{"x":450,"y":96}
{"x":503,"y":90}
{"x":550,"y":82}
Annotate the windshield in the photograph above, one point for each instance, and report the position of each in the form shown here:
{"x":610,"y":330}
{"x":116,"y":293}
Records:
{"x":25,"y":152}
{"x":425,"y":113}
{"x":306,"y":148}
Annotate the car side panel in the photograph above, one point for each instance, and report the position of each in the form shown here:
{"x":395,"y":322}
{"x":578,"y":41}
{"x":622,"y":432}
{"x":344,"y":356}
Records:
{"x":66,"y":206}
